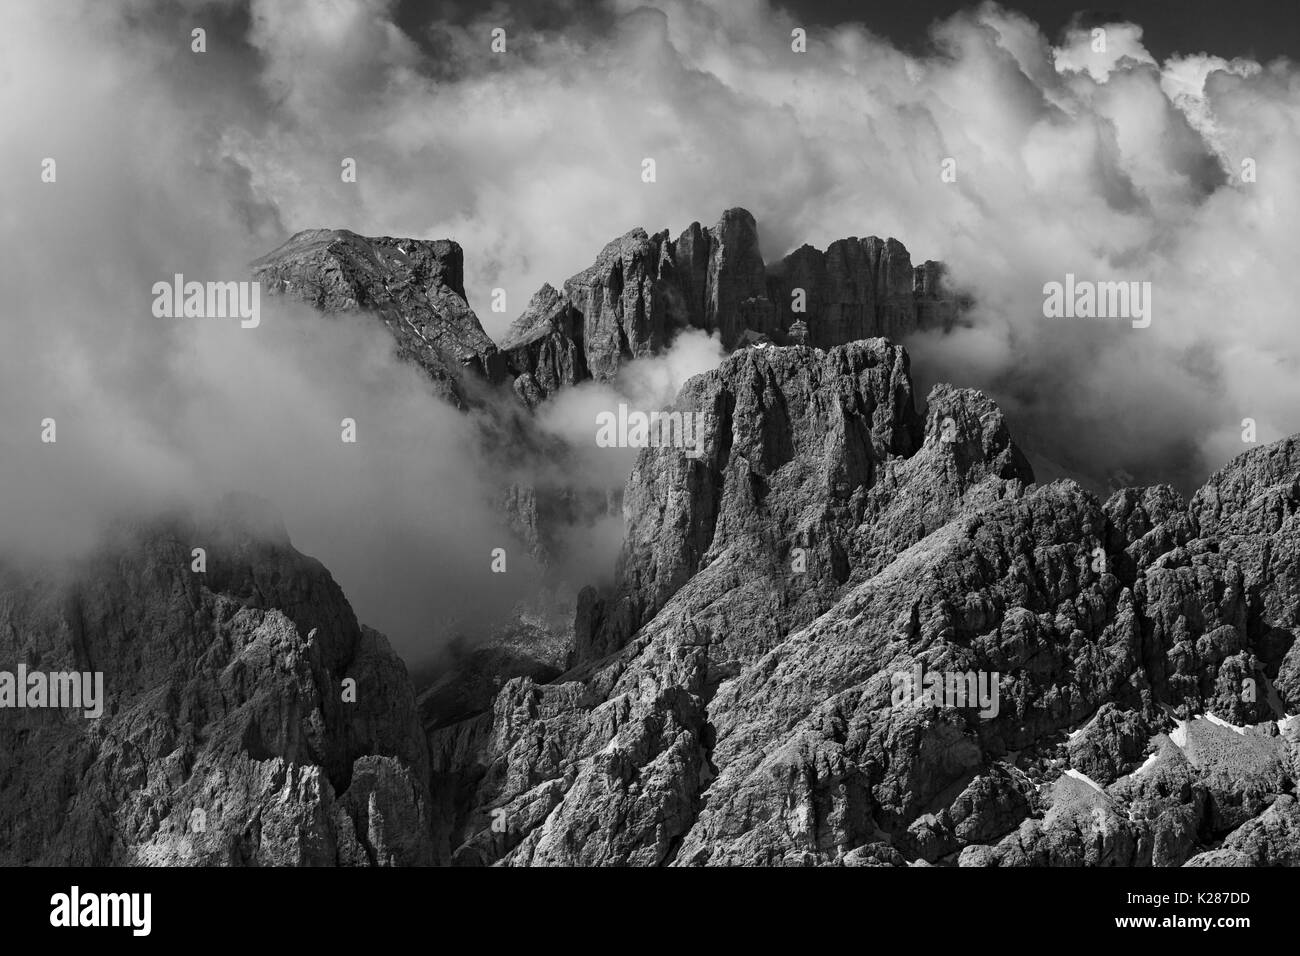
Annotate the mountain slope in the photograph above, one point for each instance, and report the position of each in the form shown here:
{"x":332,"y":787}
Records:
{"x":724,"y":707}
{"x":415,"y":286}
{"x":227,"y":736}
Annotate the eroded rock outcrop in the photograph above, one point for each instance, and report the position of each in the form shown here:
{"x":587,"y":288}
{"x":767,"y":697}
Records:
{"x":415,"y":286}
{"x":248,"y":720}
{"x":733,"y":699}
{"x":856,"y":289}
{"x":628,"y":301}
{"x":643,"y":289}
{"x":544,"y":348}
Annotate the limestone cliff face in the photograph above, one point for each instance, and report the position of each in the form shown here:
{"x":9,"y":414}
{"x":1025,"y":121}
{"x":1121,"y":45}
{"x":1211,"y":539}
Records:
{"x":643,"y":289}
{"x":856,"y":289}
{"x":769,"y":415}
{"x":733,"y":284}
{"x":227,"y":737}
{"x":416,"y":287}
{"x":628,"y":300}
{"x":731,"y":700}
{"x":639,"y":293}
{"x":544,"y":348}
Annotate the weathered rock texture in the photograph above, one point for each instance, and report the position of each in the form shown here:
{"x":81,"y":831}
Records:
{"x":415,"y":286}
{"x":643,"y":289}
{"x":856,"y":289}
{"x":544,"y":347}
{"x":731,"y":700}
{"x":226,"y":738}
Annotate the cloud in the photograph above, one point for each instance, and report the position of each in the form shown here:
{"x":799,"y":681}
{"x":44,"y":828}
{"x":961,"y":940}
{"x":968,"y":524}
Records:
{"x":1100,"y":51}
{"x":1071,"y":158}
{"x":646,"y":384}
{"x":156,"y":412}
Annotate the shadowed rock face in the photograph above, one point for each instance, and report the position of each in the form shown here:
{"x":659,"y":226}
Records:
{"x":856,"y":289}
{"x":630,"y":303}
{"x":643,"y":289}
{"x":415,"y":286}
{"x":769,"y":414}
{"x":225,"y":737}
{"x":731,"y":700}
{"x":544,"y":348}
{"x":627,"y":302}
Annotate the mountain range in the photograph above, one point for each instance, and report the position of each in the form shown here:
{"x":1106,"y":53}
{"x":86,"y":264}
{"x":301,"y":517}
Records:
{"x":731,"y":698}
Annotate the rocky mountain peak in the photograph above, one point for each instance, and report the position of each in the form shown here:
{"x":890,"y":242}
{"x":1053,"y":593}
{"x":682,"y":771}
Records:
{"x":247,"y":717}
{"x":643,"y":289}
{"x":733,"y":699}
{"x":416,"y":287}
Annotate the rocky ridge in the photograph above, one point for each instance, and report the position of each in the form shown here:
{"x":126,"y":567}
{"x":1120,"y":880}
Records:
{"x":227,"y":736}
{"x":639,"y":293}
{"x":642,"y":289}
{"x":730,"y":701}
{"x":415,"y":286}
{"x":630,"y":303}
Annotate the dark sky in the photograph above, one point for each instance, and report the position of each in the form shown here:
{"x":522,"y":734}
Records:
{"x":1255,"y":28}
{"x":1261,"y":29}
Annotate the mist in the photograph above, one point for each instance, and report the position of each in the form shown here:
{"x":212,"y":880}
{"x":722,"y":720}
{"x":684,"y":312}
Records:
{"x":1103,"y":163}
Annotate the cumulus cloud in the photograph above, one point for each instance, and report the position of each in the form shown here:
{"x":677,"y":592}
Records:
{"x":1072,"y":157}
{"x":1107,"y":165}
{"x":1099,"y":51}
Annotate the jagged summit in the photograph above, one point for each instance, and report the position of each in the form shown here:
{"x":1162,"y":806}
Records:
{"x":730,"y":700}
{"x":226,"y":735}
{"x":416,"y":286}
{"x":641,"y":290}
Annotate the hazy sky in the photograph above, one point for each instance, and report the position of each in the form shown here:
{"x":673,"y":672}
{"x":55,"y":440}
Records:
{"x":1117,"y":164}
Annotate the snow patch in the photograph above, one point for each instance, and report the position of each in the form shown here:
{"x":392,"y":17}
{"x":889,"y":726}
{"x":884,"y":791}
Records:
{"x":1077,"y":775}
{"x":1150,"y":762}
{"x":1179,"y":734}
{"x":1223,"y":723}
